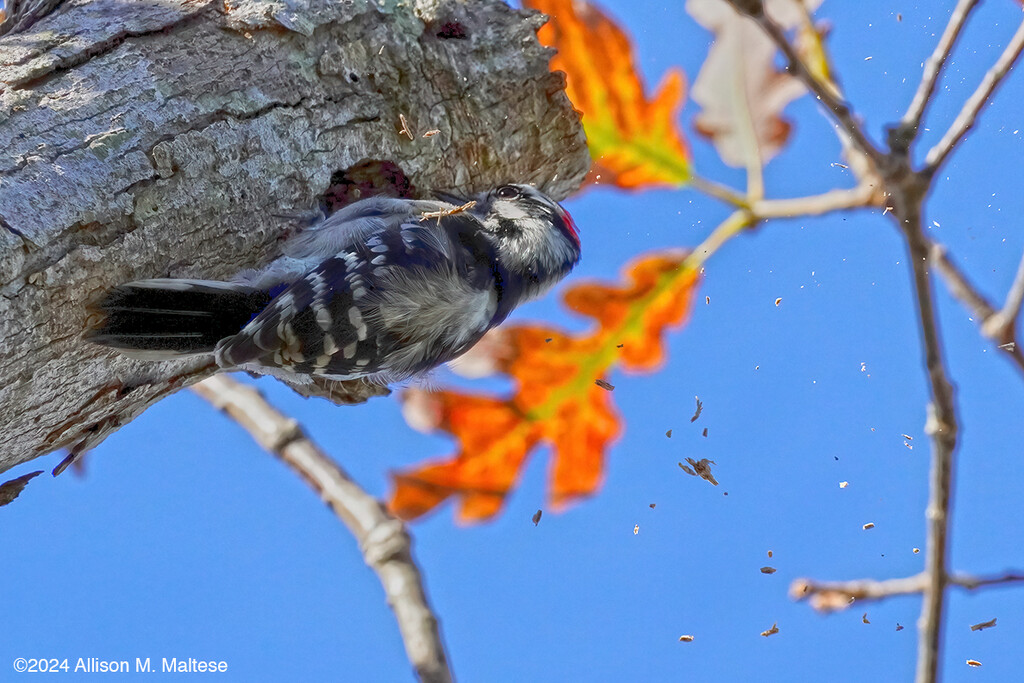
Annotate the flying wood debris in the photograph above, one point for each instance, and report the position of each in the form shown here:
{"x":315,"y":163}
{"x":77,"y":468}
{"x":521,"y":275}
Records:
{"x":636,"y":529}
{"x":917,"y":550}
{"x":843,"y":484}
{"x":431,"y":133}
{"x":427,"y":215}
{"x":770,"y":554}
{"x":773,"y":630}
{"x":405,"y":127}
{"x":669,"y":433}
{"x":865,"y":618}
{"x":778,"y":301}
{"x":686,"y":639}
{"x":537,"y":516}
{"x":1008,"y":346}
{"x":652,"y":505}
{"x":869,"y":525}
{"x":701,"y":468}
{"x":983,"y":625}
{"x":705,"y":432}
{"x":768,"y":570}
{"x":899,"y":626}
{"x":973,"y":662}
{"x":700,"y":408}
{"x":608,"y":386}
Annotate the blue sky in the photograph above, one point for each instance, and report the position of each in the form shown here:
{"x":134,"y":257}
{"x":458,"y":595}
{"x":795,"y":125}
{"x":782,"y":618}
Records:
{"x":184,"y":539}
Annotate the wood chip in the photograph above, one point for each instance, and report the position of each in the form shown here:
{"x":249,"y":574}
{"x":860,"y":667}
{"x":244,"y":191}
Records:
{"x":917,"y":550}
{"x":865,"y":618}
{"x":778,"y":301}
{"x":701,"y":468}
{"x":973,"y":662}
{"x":769,"y":554}
{"x":705,"y":432}
{"x":652,"y":505}
{"x":431,"y":133}
{"x":669,"y":433}
{"x":686,"y":639}
{"x":843,"y":484}
{"x":700,"y":408}
{"x":869,"y":525}
{"x":608,"y":386}
{"x":768,"y":570}
{"x":405,"y":127}
{"x":537,"y":516}
{"x":636,"y":529}
{"x":983,"y":625}
{"x":899,"y":626}
{"x":426,"y":215}
{"x":773,"y":630}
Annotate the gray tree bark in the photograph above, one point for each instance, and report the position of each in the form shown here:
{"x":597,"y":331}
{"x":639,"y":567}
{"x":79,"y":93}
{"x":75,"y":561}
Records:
{"x":186,"y":138}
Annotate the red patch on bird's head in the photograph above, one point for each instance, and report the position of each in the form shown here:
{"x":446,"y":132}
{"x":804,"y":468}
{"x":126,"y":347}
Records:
{"x":570,"y":225}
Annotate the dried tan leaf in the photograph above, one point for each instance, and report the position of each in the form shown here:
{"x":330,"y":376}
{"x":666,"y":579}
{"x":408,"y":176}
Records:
{"x":739,"y":90}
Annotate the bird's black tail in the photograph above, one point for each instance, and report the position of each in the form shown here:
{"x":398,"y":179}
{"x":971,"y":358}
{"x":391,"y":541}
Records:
{"x":167,"y":318}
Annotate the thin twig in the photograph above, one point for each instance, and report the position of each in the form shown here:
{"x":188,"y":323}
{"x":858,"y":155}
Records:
{"x":933,"y":67}
{"x":974,"y":582}
{"x":718,"y":191}
{"x":865,"y":194}
{"x":383,"y":539}
{"x":986,"y":316}
{"x":825,"y":92}
{"x":969,"y":113}
{"x":1004,"y":322}
{"x":828,"y":596}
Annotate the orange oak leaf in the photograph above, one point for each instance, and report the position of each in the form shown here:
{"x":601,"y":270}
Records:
{"x":634,"y":141}
{"x":556,"y":400}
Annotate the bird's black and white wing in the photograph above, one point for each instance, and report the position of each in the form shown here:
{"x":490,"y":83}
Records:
{"x":387,"y":302}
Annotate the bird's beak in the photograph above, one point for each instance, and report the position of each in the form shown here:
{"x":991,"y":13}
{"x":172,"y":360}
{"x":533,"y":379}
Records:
{"x":450,"y":198}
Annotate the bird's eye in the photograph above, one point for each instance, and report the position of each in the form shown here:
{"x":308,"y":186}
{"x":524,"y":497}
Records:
{"x":508,"y":192}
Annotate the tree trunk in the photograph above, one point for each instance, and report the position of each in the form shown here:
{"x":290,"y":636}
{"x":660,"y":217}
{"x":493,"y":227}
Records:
{"x":163,"y":138}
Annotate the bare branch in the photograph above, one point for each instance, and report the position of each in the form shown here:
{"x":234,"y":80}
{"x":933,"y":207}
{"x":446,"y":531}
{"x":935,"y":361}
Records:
{"x":974,"y":582}
{"x":969,"y":113}
{"x":383,"y":539}
{"x":828,"y":596}
{"x":825,"y":92}
{"x":941,"y":426}
{"x":912,"y":119}
{"x":1002,"y":324}
{"x":987,"y":317}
